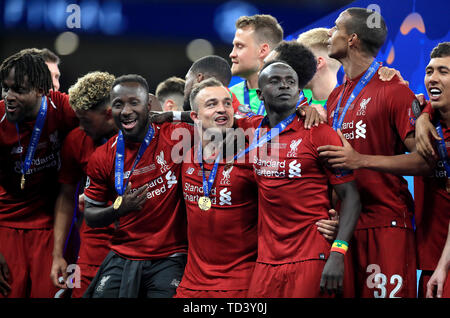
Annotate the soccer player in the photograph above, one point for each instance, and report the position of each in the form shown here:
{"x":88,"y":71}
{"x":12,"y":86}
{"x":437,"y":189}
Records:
{"x":33,"y":123}
{"x":375,"y":122}
{"x":52,"y":60}
{"x":170,"y":94}
{"x":148,"y":247}
{"x":294,"y":260}
{"x":89,"y":98}
{"x":325,"y":79}
{"x":208,"y":67}
{"x":432,"y":192}
{"x":221,"y":235}
{"x":255,"y":37}
{"x":213,"y":268}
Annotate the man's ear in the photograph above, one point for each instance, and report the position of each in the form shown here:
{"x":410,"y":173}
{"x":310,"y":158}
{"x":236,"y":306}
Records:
{"x":169,"y":105}
{"x":259,"y":93}
{"x":194,"y":116}
{"x":200,"y":77}
{"x":321,"y":62}
{"x":153,"y":103}
{"x":353,"y":40}
{"x":264,"y":50}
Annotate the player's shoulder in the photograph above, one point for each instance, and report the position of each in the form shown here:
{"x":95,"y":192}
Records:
{"x":248,"y":122}
{"x":393,"y":85}
{"x":58,"y":99}
{"x":323,"y":130}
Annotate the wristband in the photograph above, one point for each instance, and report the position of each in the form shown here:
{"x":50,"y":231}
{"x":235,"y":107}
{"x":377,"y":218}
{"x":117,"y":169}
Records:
{"x":176,"y":116}
{"x":339,"y":246}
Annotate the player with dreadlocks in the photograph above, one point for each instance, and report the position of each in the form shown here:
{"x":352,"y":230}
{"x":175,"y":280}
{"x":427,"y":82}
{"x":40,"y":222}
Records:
{"x":33,"y":122}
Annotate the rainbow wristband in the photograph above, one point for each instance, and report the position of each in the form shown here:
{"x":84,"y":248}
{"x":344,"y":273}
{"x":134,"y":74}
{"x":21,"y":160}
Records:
{"x":339,"y":246}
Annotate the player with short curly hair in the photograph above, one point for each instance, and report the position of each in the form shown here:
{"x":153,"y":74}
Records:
{"x":89,"y":98}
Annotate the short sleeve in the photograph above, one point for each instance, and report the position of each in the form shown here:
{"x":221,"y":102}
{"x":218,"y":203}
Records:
{"x":97,"y":190}
{"x":399,"y":99}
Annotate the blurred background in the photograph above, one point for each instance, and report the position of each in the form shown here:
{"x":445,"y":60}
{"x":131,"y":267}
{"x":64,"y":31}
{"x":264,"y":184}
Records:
{"x":156,"y":39}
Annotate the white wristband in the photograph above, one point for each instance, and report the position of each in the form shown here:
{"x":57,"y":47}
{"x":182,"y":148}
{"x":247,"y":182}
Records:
{"x":176,"y":116}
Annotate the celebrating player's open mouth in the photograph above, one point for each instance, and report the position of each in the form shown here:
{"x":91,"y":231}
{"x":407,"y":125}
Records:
{"x":221,"y":120}
{"x":434,"y":93}
{"x":128,"y":124}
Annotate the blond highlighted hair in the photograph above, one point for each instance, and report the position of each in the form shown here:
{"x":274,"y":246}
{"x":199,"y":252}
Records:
{"x":317,"y":40}
{"x":91,"y":91}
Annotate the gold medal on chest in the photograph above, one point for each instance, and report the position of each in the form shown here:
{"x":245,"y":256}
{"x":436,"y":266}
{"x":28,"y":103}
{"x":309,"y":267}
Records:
{"x":204,"y":203}
{"x":117,"y":202}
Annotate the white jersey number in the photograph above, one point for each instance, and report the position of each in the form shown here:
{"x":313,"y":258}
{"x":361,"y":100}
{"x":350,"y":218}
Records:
{"x":378,"y":280}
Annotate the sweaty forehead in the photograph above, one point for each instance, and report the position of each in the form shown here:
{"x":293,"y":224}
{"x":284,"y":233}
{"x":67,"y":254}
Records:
{"x":128,"y":88}
{"x":438,"y":62}
{"x":278,"y":68}
{"x":214,"y":92}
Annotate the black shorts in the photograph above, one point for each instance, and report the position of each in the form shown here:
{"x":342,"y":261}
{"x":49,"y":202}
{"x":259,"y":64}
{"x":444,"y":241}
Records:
{"x":119,"y":277}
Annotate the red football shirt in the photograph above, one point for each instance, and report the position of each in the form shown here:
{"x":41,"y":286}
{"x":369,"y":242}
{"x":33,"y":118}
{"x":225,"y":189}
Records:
{"x":432,"y":214}
{"x":76,"y":151}
{"x":376,"y":123}
{"x":293,"y":193}
{"x":33,"y":207}
{"x":159,"y":229}
{"x":222,"y":241}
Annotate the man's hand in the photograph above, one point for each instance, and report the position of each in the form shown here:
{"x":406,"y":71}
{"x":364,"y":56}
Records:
{"x":132,"y":201}
{"x":424,"y":128}
{"x":322,"y":112}
{"x":59,"y":268}
{"x":332,"y":279}
{"x":341,"y":157}
{"x":436,"y":283}
{"x":5,"y":287}
{"x":312,"y":116}
{"x":329,"y":227}
{"x":386,"y":74}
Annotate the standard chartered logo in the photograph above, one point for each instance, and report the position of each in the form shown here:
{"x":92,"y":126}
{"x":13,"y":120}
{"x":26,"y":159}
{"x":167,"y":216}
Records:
{"x":225,"y":197}
{"x":360,"y":130}
{"x":294,"y":169}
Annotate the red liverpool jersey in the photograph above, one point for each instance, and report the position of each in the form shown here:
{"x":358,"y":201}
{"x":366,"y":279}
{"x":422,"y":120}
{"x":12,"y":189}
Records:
{"x":432,"y":214}
{"x":376,"y":123}
{"x":293,"y":193}
{"x":75,"y":154}
{"x":159,"y":229}
{"x":33,"y":207}
{"x":222,"y":241}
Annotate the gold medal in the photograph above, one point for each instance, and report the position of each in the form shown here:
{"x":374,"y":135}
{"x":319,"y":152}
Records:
{"x":22,"y":182}
{"x":204,"y":203}
{"x":117,"y":203}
